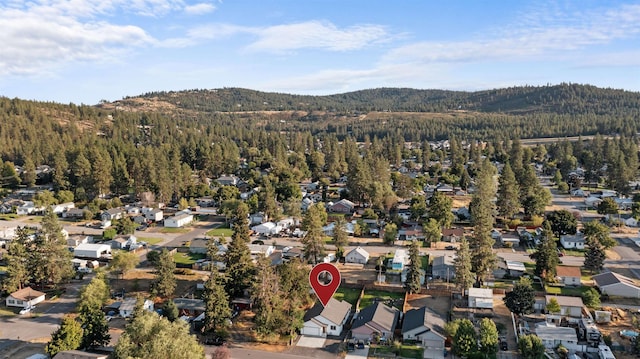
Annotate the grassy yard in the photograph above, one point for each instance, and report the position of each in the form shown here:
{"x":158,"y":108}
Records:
{"x":7,"y":217}
{"x":530,"y":267}
{"x":8,"y":312}
{"x":406,"y":351}
{"x":150,"y":240}
{"x":569,"y":291}
{"x":174,"y":230}
{"x":222,"y":231}
{"x":370,"y":295}
{"x":573,"y":252}
{"x":349,"y":295}
{"x":187,"y":258}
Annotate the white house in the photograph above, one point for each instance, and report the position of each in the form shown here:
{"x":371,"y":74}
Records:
{"x":576,"y":241}
{"x":261,"y":249}
{"x":616,"y":285}
{"x":178,"y":221}
{"x":569,"y":275}
{"x":62,"y":207}
{"x":153,"y":214}
{"x":349,"y":228}
{"x":320,"y":321}
{"x":24,"y":298}
{"x":480,"y":298}
{"x":553,"y":336}
{"x":92,"y":250}
{"x":257,"y":218}
{"x":267,"y":228}
{"x":77,"y":239}
{"x":129,"y":304}
{"x":28,"y":207}
{"x":569,"y":306}
{"x":357,"y":255}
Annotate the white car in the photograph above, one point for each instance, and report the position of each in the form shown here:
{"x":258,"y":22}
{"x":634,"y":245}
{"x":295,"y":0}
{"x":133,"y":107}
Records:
{"x":27,"y":310}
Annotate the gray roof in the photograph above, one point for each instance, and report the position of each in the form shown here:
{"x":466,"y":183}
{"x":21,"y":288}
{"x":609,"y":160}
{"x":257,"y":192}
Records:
{"x":565,"y":301}
{"x":383,"y":316}
{"x":557,"y":333}
{"x":422,"y":317}
{"x":189,"y":304}
{"x":335,"y":311}
{"x":608,"y":278}
{"x":445,"y":260}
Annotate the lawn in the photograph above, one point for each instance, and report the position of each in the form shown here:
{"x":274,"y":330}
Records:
{"x":370,"y":295}
{"x":406,"y":351}
{"x":7,"y":217}
{"x":348,"y":295}
{"x":220,"y":232}
{"x":568,"y":291}
{"x":174,"y":230}
{"x":573,"y":252}
{"x":187,"y":258}
{"x":8,"y":312}
{"x":150,"y":240}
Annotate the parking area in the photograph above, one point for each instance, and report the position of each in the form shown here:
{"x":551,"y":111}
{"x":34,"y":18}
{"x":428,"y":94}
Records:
{"x":358,"y":353}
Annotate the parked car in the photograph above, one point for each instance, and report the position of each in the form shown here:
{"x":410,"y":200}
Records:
{"x":27,"y":310}
{"x":504,"y":345}
{"x":360,"y":344}
{"x":351,"y":346}
{"x":450,"y":248}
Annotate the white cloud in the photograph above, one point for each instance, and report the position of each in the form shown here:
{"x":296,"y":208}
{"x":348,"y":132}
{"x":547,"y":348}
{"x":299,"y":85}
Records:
{"x":199,"y":9}
{"x":38,"y":38}
{"x":542,"y":33}
{"x":318,"y":35}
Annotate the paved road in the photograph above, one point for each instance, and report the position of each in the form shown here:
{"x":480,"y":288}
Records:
{"x":241,"y":353}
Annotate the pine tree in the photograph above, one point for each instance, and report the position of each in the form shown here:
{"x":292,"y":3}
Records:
{"x":165,"y":282}
{"x":465,"y":341}
{"x":483,"y":260}
{"x":462,"y":266}
{"x":412,"y":283}
{"x":508,"y":202}
{"x":546,"y":255}
{"x":594,"y":256}
{"x":217,"y":310}
{"x":269,"y":299}
{"x":29,"y":173}
{"x":240,"y":268}
{"x":440,"y":209}
{"x":16,"y":258}
{"x":313,"y":241}
{"x":67,"y":337}
{"x":340,"y":237}
{"x":521,"y":299}
{"x":170,"y":310}
{"x":96,"y":328}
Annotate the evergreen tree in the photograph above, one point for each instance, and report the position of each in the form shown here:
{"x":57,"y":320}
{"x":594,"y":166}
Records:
{"x":340,"y":236}
{"x":96,"y":329}
{"x":412,"y":283}
{"x":591,"y":298}
{"x":51,"y":258}
{"x":269,"y":300}
{"x":313,"y":241}
{"x":483,"y":260}
{"x":28,"y":173}
{"x":217,"y":310}
{"x":240,"y":268}
{"x":594,"y":256}
{"x":553,"y":306}
{"x":164,"y":284}
{"x":67,"y":337}
{"x":170,"y":310}
{"x":440,"y":209}
{"x":16,"y":258}
{"x":488,"y":337}
{"x":126,"y":226}
{"x":521,"y":299}
{"x":508,"y":201}
{"x":531,"y":347}
{"x":465,"y":341}
{"x":462,"y":266}
{"x":546,"y":256}
{"x":562,"y":222}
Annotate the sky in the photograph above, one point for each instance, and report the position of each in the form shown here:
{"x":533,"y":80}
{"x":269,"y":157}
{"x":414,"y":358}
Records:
{"x":86,"y":51}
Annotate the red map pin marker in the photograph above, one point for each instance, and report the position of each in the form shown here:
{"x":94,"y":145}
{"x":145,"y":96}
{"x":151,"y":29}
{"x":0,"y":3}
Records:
{"x":323,"y":290}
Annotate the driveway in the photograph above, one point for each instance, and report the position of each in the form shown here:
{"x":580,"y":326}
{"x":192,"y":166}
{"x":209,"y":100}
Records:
{"x":358,"y":353}
{"x":310,"y":342}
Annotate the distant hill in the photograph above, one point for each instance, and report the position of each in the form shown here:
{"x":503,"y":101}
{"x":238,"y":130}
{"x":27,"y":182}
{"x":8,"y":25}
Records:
{"x":572,"y":99}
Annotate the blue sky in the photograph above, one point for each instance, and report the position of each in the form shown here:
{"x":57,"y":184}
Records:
{"x":83,"y":51}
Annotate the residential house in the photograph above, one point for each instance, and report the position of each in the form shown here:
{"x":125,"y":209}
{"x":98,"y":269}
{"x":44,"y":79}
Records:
{"x":77,"y":213}
{"x":357,"y":255}
{"x":76,"y":240}
{"x":305,"y":204}
{"x":349,"y":228}
{"x":24,"y":298}
{"x":553,"y":336}
{"x":480,"y":298}
{"x":506,"y":268}
{"x":510,"y":239}
{"x":111,"y":214}
{"x":443,"y":267}
{"x":375,"y":321}
{"x":133,"y":210}
{"x":139,"y":219}
{"x":28,"y":207}
{"x":124,"y":241}
{"x":287,"y":223}
{"x":128,"y":305}
{"x":62,"y":207}
{"x":569,"y":306}
{"x":568,"y":275}
{"x":257,"y":218}
{"x":452,"y":235}
{"x":261,"y":250}
{"x":615,"y":284}
{"x":178,"y":221}
{"x":198,"y":245}
{"x":411,"y":234}
{"x":153,"y":214}
{"x":576,"y":241}
{"x":425,"y":327}
{"x":400,"y":259}
{"x":320,"y":321}
{"x":292,"y":253}
{"x":267,"y":229}
{"x":190,"y":307}
{"x":343,"y":206}
{"x":8,"y":233}
{"x":226,"y":180}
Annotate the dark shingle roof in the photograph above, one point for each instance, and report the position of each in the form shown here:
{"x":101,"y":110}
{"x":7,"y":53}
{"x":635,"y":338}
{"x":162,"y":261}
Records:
{"x":414,"y":318}
{"x":608,"y":278}
{"x":378,"y":313}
